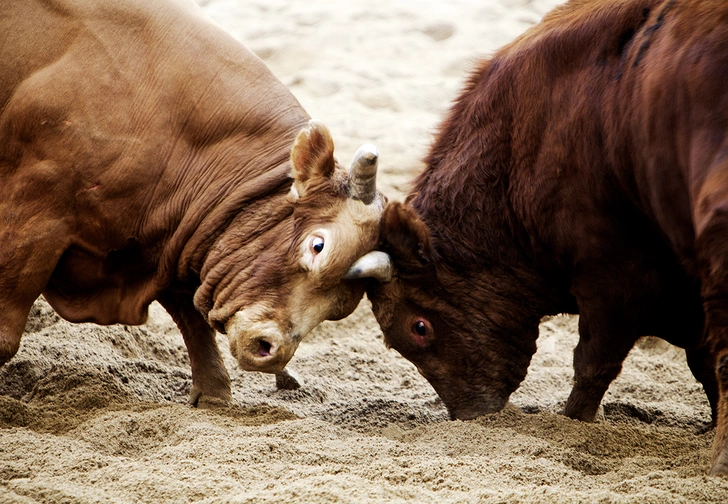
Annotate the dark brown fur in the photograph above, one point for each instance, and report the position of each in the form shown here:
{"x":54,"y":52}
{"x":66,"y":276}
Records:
{"x":583,"y":169}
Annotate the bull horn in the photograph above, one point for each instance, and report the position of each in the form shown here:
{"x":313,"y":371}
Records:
{"x":363,"y":174}
{"x":375,"y":264}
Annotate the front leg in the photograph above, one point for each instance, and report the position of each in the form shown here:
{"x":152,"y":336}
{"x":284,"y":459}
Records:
{"x":713,"y":263}
{"x":598,"y":359}
{"x":610,"y":297}
{"x":29,"y":252}
{"x":702,"y":364}
{"x":210,"y":379}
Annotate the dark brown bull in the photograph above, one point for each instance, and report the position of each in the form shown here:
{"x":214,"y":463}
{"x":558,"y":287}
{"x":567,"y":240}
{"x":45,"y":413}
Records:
{"x":145,"y":154}
{"x":583,"y":169}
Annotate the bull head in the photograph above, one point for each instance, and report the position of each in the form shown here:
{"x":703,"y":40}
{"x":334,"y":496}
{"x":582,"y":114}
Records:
{"x":335,"y":226}
{"x":465,"y":332}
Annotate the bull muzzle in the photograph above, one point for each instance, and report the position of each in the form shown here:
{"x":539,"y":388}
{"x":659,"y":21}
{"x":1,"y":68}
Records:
{"x":260,"y":345}
{"x":474,"y":410}
{"x":466,"y":402}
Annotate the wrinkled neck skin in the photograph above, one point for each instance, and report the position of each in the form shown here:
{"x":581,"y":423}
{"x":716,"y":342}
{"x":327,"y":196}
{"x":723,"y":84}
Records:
{"x":247,"y":261}
{"x":221,"y":243}
{"x":223,"y":196}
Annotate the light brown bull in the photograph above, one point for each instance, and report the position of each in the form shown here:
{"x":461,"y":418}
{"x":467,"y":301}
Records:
{"x":147,"y":155}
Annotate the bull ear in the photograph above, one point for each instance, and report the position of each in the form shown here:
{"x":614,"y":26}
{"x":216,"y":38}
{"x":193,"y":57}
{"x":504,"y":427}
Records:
{"x":406,"y":236}
{"x":312,"y":155}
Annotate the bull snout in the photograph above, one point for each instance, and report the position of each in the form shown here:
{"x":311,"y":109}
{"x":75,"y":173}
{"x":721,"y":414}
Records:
{"x":467,"y":403}
{"x":471,"y":411}
{"x":260,"y":346}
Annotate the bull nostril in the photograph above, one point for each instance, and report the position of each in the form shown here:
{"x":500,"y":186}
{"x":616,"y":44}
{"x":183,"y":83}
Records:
{"x":264,"y":348}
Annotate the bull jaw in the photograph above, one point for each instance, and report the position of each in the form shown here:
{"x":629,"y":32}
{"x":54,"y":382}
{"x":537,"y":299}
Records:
{"x":259,"y":345}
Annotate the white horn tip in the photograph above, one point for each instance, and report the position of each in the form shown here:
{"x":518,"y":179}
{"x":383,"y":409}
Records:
{"x":368,"y":152}
{"x":375,"y":264}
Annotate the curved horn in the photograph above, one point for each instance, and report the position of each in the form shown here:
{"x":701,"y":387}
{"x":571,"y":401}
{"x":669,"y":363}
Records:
{"x":375,"y":264}
{"x":363,"y":174}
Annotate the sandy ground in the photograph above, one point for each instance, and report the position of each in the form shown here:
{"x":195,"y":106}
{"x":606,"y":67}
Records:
{"x":98,"y":414}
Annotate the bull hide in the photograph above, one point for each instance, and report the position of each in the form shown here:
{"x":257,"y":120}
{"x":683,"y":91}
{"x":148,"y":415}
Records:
{"x":147,"y":155}
{"x":583,"y":170}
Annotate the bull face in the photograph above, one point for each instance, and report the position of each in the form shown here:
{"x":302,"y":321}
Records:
{"x":313,"y":266}
{"x":456,"y":329}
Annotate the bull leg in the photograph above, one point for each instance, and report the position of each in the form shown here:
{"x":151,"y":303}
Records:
{"x":598,"y":359}
{"x":702,"y":365}
{"x":14,"y":316}
{"x":711,"y":245}
{"x":607,"y":328}
{"x":720,"y":447}
{"x":35,"y":230}
{"x":717,"y":320}
{"x":210,"y":379}
{"x":28,"y":257}
{"x":712,"y":251}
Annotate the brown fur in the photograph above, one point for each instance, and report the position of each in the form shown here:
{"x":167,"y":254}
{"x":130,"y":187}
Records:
{"x":145,"y":154}
{"x":581,"y":170}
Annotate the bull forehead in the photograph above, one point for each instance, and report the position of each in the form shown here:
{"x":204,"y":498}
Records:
{"x":422,"y":293}
{"x":385,"y":299}
{"x":272,"y":268}
{"x":352,"y":231}
{"x":361,"y":218}
{"x":312,"y":292}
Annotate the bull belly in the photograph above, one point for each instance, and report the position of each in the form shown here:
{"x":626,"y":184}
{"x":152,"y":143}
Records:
{"x":116,"y":289}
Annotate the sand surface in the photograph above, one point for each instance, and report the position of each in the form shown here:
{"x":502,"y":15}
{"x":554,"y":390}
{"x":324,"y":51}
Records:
{"x":98,"y":414}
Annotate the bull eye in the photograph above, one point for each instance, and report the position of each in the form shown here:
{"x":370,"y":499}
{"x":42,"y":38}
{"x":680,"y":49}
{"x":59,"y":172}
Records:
{"x":421,"y":332}
{"x":317,"y":245}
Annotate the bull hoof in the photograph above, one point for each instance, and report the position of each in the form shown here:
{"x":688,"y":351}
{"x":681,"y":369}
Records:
{"x":720,"y":467}
{"x":581,"y":406}
{"x":704,"y":429}
{"x":288,"y":380}
{"x":589,"y":415}
{"x":198,"y":399}
{"x":208,"y":402}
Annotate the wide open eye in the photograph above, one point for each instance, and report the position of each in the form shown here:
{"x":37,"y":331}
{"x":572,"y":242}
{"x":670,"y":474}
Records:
{"x":317,"y":244}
